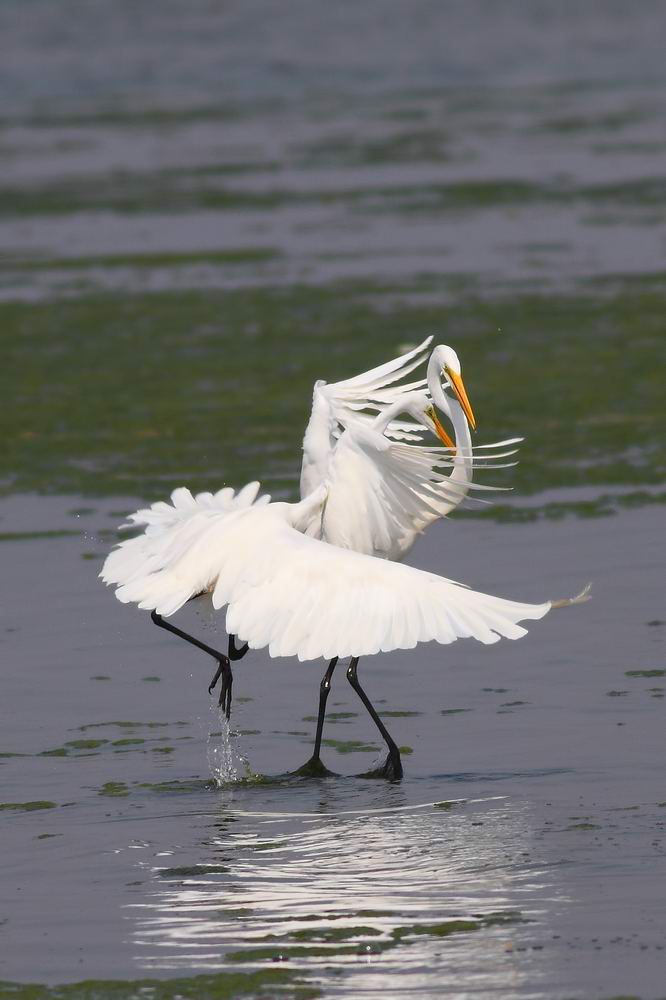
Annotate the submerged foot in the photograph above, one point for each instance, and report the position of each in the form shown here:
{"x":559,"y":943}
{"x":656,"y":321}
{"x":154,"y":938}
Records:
{"x":314,"y":768}
{"x":390,"y":770}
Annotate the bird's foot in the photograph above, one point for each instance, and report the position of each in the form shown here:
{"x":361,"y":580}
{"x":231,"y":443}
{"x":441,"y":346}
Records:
{"x":223,"y":671}
{"x":314,"y":768}
{"x":390,"y":770}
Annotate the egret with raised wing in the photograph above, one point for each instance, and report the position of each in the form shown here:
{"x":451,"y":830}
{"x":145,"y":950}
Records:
{"x":317,"y":578}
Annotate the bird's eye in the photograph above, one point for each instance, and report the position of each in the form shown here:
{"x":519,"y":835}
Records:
{"x":430,"y":411}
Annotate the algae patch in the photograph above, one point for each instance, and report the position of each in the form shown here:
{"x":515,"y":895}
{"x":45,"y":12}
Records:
{"x":192,"y":871}
{"x":114,"y":789}
{"x":220,"y":986}
{"x":350,"y":746}
{"x":27,"y":806}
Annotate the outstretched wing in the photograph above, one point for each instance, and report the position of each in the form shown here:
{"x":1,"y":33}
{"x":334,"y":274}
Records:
{"x":338,"y":405}
{"x":375,"y":389}
{"x":382,"y":494}
{"x":302,"y":597}
{"x":169,"y":530}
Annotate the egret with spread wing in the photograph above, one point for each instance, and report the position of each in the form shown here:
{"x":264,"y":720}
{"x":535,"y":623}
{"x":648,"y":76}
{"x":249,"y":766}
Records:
{"x":305,"y":579}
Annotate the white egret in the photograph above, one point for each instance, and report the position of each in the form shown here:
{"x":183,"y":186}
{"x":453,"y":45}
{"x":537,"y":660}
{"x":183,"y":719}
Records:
{"x":301,"y":595}
{"x":379,"y":494}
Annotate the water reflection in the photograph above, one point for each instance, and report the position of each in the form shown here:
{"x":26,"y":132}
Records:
{"x":412,"y":898}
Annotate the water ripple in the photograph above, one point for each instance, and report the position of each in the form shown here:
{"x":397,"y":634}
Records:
{"x":421,"y":894}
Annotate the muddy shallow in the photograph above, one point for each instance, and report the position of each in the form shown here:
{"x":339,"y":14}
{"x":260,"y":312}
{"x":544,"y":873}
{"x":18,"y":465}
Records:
{"x":523,"y":853}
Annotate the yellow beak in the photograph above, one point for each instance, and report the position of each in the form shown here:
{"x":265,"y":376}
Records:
{"x":459,"y":389}
{"x":442,"y":435}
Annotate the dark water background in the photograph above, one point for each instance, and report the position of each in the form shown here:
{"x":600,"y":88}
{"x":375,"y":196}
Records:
{"x":203,"y":208}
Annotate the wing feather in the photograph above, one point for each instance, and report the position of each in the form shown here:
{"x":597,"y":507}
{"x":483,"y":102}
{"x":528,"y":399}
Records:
{"x":303,"y":597}
{"x":318,"y":600}
{"x":382,"y":494}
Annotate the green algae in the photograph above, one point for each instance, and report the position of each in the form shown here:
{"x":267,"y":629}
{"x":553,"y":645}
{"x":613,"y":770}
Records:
{"x":75,"y":748}
{"x":134,"y":429}
{"x":454,"y":711}
{"x":85,"y":744}
{"x":329,"y":934}
{"x":448,"y":804}
{"x":192,"y":871}
{"x":459,"y":926}
{"x":444,"y":929}
{"x":114,"y":789}
{"x":23,"y":536}
{"x":177,"y":787}
{"x":286,"y":952}
{"x":217,"y":986}
{"x":350,"y":746}
{"x":27,"y":806}
{"x":645,"y":673}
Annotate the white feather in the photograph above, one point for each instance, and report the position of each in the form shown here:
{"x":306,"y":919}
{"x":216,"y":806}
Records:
{"x":303,"y":597}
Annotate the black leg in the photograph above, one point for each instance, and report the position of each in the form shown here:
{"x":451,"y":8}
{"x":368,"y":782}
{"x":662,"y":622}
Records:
{"x":233,"y":652}
{"x":224,"y":667}
{"x":313,"y":768}
{"x":392,"y":767}
{"x":223,"y":671}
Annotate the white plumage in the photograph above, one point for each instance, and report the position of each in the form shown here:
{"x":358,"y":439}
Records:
{"x":306,"y":579}
{"x":298,"y":595}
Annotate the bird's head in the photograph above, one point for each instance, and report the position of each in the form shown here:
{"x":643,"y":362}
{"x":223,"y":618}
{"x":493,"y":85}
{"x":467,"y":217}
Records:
{"x":446,"y":363}
{"x":420,"y":407}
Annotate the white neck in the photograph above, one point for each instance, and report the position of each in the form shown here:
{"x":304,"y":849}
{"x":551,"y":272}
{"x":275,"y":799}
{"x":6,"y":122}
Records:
{"x":464,"y":464}
{"x":385,"y":416}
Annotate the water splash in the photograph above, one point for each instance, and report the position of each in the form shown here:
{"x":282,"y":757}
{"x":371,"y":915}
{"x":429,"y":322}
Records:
{"x":220,"y":749}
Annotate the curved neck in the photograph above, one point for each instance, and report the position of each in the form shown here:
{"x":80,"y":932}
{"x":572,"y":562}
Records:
{"x":317,"y":443}
{"x":385,"y":416}
{"x":463,"y":462}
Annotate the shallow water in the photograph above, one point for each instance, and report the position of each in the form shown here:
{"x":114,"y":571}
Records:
{"x":532,"y":809}
{"x":198,"y":218}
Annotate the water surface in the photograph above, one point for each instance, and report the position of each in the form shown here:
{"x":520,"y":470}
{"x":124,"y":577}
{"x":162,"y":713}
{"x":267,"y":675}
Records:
{"x":202,"y":210}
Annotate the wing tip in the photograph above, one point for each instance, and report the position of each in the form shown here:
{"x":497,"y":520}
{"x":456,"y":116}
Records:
{"x":566,"y":602}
